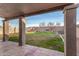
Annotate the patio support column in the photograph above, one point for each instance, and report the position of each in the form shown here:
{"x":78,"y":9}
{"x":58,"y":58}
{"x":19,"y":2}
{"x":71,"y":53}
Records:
{"x":21,"y":31}
{"x":70,"y":30}
{"x":5,"y":30}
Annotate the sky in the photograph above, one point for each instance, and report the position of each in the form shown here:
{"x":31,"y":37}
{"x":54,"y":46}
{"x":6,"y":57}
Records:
{"x":54,"y":17}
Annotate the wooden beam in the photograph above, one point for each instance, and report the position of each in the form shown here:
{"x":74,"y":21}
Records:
{"x":5,"y":30}
{"x":70,"y":31}
{"x":22,"y":31}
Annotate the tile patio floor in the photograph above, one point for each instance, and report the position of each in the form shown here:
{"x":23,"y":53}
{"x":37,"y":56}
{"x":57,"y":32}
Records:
{"x":12,"y":49}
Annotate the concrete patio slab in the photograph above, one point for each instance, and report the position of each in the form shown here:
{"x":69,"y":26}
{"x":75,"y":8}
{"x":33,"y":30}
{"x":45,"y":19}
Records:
{"x":12,"y":49}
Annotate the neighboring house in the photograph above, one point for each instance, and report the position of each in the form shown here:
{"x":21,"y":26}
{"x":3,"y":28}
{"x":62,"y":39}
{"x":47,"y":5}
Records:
{"x":59,"y":29}
{"x":77,"y":32}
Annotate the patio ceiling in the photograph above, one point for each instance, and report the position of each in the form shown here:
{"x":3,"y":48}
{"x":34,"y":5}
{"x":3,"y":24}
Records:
{"x":13,"y":10}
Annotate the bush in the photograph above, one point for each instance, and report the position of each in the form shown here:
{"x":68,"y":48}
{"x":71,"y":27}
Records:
{"x":14,"y":38}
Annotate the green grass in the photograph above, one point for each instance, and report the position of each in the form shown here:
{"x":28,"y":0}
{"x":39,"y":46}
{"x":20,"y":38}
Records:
{"x":42,"y":39}
{"x":41,"y":33}
{"x":54,"y":44}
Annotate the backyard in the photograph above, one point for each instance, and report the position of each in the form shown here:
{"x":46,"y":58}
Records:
{"x":49,"y":40}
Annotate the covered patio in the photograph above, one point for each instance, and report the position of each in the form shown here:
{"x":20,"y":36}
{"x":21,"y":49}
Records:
{"x":11,"y":11}
{"x":12,"y":49}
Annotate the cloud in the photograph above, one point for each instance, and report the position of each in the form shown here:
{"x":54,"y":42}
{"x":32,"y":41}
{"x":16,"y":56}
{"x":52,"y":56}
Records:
{"x":77,"y":22}
{"x":32,"y":25}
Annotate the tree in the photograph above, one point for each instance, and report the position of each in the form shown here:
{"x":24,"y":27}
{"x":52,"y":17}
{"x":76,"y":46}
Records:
{"x":42,"y":24}
{"x":14,"y":30}
{"x":58,"y":24}
{"x":50,"y":24}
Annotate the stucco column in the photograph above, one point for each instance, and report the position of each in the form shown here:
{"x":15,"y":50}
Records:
{"x":70,"y":30}
{"x":5,"y":30}
{"x":21,"y":31}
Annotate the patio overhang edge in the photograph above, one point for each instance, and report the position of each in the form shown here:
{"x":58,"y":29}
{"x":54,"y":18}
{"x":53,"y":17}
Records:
{"x":41,"y":11}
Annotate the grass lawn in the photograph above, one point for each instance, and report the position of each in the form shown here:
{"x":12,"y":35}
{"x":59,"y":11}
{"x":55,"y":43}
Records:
{"x":42,"y":39}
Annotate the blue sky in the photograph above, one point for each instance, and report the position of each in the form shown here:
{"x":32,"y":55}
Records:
{"x":47,"y":17}
{"x":55,"y":17}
